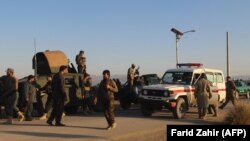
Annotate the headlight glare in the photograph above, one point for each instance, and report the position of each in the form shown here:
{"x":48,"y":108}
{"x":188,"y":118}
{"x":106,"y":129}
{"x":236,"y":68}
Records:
{"x":166,"y":93}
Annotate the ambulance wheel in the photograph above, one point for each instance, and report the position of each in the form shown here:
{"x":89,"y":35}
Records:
{"x":146,"y":109}
{"x":248,"y":95}
{"x":181,"y":108}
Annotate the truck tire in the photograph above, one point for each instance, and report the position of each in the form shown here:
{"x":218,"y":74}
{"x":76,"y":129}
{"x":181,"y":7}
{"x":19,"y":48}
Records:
{"x":248,"y":95}
{"x":237,"y":96}
{"x":181,"y":108}
{"x":146,"y":109}
{"x":125,"y":104}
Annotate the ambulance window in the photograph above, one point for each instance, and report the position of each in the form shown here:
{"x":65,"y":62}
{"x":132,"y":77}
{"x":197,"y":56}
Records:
{"x":210,"y":77}
{"x":195,"y":78}
{"x":219,"y":78}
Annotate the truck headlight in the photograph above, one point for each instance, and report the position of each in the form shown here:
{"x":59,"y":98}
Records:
{"x":145,"y":92}
{"x":166,"y":93}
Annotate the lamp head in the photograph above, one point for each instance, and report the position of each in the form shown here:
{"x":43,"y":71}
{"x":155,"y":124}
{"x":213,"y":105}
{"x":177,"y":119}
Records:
{"x":176,"y":31}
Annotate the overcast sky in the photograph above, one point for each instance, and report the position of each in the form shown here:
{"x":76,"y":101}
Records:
{"x":116,"y":33}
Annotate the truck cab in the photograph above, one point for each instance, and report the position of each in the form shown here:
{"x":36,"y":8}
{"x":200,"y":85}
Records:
{"x":126,"y":97}
{"x":176,"y":91}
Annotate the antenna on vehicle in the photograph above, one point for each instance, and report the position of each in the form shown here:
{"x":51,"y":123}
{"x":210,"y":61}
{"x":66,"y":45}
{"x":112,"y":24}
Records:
{"x":35,"y":61}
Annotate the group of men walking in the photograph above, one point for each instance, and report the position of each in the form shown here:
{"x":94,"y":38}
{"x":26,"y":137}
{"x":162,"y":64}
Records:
{"x":55,"y":99}
{"x":30,"y":97}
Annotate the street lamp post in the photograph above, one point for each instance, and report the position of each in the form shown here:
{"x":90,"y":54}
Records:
{"x":178,"y":37}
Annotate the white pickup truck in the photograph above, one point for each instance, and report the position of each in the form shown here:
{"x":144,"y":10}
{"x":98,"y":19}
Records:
{"x":176,"y":91}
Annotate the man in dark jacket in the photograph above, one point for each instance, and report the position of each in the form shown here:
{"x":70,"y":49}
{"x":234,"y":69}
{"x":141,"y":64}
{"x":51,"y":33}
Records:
{"x":48,"y":90}
{"x":9,"y":94}
{"x":230,"y":92}
{"x":59,"y":96}
{"x":106,"y":90}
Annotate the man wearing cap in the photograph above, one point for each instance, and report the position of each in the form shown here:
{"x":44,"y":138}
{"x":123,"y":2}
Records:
{"x":230,"y":92}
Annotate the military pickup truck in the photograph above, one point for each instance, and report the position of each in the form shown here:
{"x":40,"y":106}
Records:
{"x":126,"y":98}
{"x":49,"y":62}
{"x":242,"y":88}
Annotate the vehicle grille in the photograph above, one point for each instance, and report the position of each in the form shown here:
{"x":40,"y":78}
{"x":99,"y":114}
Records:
{"x":156,"y":93}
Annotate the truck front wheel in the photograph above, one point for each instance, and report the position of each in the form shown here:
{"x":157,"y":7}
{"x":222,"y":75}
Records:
{"x":248,"y":95}
{"x":71,"y":109}
{"x":237,"y":95}
{"x":125,"y":104}
{"x":146,"y":109}
{"x":181,"y":108}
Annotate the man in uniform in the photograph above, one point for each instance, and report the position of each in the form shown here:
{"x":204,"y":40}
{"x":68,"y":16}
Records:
{"x":81,"y":62}
{"x":20,"y":115}
{"x":30,"y":96}
{"x":87,"y":103}
{"x":59,"y":96}
{"x":202,"y":93}
{"x":106,"y":90}
{"x":230,"y":92}
{"x":131,"y":77}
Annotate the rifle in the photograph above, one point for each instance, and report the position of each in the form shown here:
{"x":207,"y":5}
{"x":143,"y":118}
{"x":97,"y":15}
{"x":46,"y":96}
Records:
{"x":137,"y":70}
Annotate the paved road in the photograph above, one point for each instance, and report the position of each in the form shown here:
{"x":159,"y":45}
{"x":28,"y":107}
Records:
{"x":131,"y":126}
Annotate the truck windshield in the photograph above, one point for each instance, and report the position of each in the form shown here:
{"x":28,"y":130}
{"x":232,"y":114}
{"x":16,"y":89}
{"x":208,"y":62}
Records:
{"x":238,"y":83}
{"x":177,"y":78}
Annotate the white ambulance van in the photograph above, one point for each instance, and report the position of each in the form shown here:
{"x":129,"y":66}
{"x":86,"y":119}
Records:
{"x":176,"y":90}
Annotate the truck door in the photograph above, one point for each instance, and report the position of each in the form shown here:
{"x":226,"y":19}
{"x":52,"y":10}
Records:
{"x":214,"y":88}
{"x":221,"y":86}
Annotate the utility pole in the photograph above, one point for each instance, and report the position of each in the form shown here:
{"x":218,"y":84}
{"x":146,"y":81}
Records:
{"x":35,"y":59}
{"x":228,"y":67}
